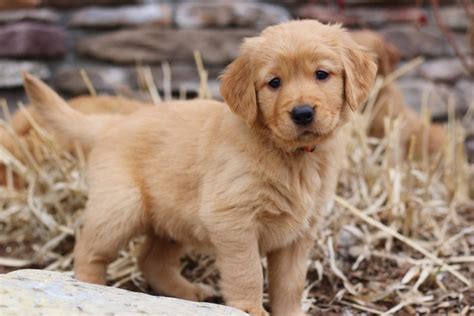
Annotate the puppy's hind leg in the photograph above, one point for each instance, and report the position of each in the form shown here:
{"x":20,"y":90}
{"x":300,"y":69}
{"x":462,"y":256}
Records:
{"x":159,"y":262}
{"x":112,"y":218}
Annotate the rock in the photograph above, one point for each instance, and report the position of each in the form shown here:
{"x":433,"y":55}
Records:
{"x":29,"y":39}
{"x":449,"y":70}
{"x":112,"y":79}
{"x":185,"y":77}
{"x":150,"y":45}
{"x":82,"y":3}
{"x":454,"y":18}
{"x":226,"y":14}
{"x":38,"y":292}
{"x":465,"y":94}
{"x":192,"y":89}
{"x":41,"y":15}
{"x":10,"y":76}
{"x":414,"y":42}
{"x":157,"y":14}
{"x":15,"y":4}
{"x":363,"y":16}
{"x":438,"y":95}
{"x":346,"y":238}
{"x":12,"y":96}
{"x":68,"y":79}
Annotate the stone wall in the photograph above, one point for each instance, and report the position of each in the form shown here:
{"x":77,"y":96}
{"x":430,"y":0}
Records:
{"x":55,"y":39}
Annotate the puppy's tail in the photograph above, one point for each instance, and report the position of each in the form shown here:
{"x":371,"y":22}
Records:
{"x":57,"y":116}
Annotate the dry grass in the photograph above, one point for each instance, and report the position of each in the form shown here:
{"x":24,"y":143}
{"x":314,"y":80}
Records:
{"x":400,"y":237}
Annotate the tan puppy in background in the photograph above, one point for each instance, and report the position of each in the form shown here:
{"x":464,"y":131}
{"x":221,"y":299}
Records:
{"x":390,"y":101}
{"x":242,"y":179}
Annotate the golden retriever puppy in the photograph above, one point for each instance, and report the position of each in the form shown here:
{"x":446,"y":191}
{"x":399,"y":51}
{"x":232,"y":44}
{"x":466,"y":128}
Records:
{"x":86,"y":104}
{"x":390,"y":100}
{"x":241,"y":179}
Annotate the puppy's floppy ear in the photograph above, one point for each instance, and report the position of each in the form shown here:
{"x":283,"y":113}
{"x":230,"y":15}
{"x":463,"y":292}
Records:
{"x":238,"y":84}
{"x":359,"y":73}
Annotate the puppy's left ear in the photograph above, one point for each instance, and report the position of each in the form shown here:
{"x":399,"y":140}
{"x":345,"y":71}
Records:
{"x":359,"y":73}
{"x":238,"y":84}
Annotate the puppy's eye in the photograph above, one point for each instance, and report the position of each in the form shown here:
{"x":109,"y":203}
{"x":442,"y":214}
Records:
{"x":321,"y":75}
{"x":275,"y":83}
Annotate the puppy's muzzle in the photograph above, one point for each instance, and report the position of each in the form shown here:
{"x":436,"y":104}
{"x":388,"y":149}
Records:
{"x":302,"y":115}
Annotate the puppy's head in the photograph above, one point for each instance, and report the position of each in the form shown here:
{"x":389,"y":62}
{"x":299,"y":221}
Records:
{"x":298,"y":81}
{"x":387,"y":54}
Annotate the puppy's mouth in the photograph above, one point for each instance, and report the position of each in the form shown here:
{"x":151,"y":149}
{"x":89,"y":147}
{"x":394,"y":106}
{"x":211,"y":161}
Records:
{"x":307,"y":134}
{"x":314,"y":132}
{"x":312,"y":136}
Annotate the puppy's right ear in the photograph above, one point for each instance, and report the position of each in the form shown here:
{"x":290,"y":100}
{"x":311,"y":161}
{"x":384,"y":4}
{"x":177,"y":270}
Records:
{"x":238,"y":85}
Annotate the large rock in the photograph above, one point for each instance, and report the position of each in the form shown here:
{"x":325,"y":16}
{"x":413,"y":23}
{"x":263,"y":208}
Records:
{"x":150,"y":45}
{"x":229,"y":14}
{"x":445,"y":69}
{"x":414,"y":42}
{"x":37,"y":292}
{"x":29,"y":39}
{"x":10,"y":74}
{"x":116,"y":79}
{"x":363,"y":16}
{"x":41,"y":15}
{"x":156,"y":14}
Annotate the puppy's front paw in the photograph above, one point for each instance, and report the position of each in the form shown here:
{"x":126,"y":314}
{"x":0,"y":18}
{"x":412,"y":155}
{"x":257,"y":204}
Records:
{"x":198,"y":292}
{"x":203,"y":291}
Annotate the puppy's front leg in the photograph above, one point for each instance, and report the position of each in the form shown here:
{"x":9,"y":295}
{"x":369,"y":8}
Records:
{"x":287,"y":274}
{"x":238,"y":261}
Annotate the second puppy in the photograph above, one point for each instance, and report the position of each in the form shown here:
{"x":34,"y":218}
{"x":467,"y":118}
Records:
{"x":390,"y":102}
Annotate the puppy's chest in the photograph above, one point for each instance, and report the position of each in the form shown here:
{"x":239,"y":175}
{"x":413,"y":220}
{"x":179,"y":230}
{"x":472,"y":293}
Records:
{"x":288,"y":206}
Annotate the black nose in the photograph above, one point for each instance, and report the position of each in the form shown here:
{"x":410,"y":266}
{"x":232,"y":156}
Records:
{"x":302,"y":114}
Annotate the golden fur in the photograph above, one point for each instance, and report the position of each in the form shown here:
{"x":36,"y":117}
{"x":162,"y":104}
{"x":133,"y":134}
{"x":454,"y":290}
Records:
{"x":390,"y":102}
{"x":230,"y":178}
